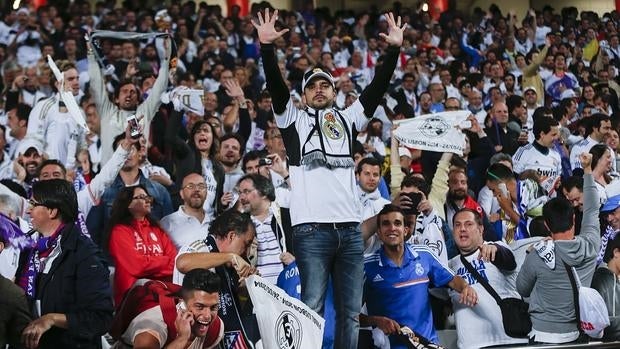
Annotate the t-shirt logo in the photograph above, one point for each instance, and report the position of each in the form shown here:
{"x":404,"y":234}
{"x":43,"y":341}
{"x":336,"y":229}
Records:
{"x":331,"y":127}
{"x":377,"y":278}
{"x":419,"y":269}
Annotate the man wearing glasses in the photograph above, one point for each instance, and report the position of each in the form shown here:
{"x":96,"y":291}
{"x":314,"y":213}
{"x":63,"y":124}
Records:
{"x":190,"y":222}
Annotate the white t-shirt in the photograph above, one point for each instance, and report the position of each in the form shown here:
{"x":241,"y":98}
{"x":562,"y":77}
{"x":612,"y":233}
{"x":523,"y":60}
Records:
{"x":481,"y":325}
{"x":548,"y":166}
{"x":184,"y":229}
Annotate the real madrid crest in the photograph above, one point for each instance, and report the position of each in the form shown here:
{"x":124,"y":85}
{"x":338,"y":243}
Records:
{"x":288,"y":331}
{"x":419,"y":269}
{"x":331,"y":127}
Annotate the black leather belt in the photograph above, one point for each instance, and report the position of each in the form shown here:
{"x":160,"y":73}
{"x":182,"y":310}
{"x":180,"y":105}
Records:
{"x":336,"y":226}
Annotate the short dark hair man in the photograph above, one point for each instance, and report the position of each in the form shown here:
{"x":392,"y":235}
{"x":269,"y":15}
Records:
{"x":224,"y":250}
{"x":543,"y":276}
{"x":197,"y":313}
{"x":399,"y":272}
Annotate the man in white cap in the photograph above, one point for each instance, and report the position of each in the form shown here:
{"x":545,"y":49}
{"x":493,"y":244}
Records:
{"x":324,"y":210}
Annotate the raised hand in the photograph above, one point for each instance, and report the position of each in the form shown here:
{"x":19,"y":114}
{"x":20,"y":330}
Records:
{"x":395,"y":30}
{"x":265,"y":27}
{"x":233,"y":89}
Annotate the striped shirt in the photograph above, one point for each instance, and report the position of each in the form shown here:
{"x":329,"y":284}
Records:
{"x":268,"y":262}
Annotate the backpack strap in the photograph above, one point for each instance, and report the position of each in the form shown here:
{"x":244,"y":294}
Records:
{"x":480,"y":279}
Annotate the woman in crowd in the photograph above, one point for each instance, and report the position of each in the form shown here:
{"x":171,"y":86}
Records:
{"x":139,"y":247}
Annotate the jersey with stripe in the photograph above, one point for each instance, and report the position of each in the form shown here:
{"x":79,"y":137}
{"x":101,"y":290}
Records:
{"x":401,"y":292}
{"x":548,"y":166}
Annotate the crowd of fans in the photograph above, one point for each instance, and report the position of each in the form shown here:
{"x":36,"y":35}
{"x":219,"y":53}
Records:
{"x":157,"y":143}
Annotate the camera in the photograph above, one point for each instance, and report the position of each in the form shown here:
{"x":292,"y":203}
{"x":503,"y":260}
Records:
{"x":265,"y":162}
{"x":415,"y":198}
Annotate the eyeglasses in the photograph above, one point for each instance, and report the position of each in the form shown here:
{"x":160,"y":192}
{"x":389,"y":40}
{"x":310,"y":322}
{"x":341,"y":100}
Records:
{"x":199,"y":186}
{"x":146,"y":198}
{"x":34,"y":204}
{"x":246,"y":191}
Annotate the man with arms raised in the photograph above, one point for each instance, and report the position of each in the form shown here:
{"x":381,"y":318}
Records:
{"x":324,"y":210}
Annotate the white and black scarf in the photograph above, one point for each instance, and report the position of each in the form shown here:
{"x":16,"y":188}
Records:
{"x":333,"y":146}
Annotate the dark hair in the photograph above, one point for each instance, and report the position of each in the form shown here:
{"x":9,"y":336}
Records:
{"x":119,"y":138}
{"x":238,"y":138}
{"x":200,"y":279}
{"x":477,"y":215}
{"x":50,"y":162}
{"x":58,"y":194}
{"x":120,"y":208}
{"x":416,"y":182}
{"x":573,"y":182}
{"x":252,"y":155}
{"x":499,"y":172}
{"x":597,"y":152}
{"x":389,"y":208}
{"x":513,"y":102}
{"x":543,"y":125}
{"x":117,"y":90}
{"x":611,"y":246}
{"x":230,"y":220}
{"x":559,"y":215}
{"x":23,"y":112}
{"x":358,"y":148}
{"x":595,"y":122}
{"x":262,"y":184}
{"x":367,"y":161}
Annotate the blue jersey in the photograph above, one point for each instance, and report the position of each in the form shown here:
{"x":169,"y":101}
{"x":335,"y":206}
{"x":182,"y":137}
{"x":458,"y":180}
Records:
{"x":401,"y":293}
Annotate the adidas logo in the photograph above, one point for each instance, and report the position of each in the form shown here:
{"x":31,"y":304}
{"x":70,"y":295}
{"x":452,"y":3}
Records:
{"x":377,"y":278}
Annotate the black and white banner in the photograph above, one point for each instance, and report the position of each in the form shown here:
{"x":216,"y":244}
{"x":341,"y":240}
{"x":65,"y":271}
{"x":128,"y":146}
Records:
{"x":284,"y":322}
{"x":438,"y":132}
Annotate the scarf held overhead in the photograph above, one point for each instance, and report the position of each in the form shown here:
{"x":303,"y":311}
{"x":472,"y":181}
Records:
{"x":438,"y":132}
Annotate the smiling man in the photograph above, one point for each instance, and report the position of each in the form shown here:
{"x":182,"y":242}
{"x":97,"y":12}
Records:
{"x":197,"y":324}
{"x":397,"y":274}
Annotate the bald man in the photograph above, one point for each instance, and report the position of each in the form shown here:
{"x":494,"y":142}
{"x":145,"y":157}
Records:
{"x":503,"y":139}
{"x":190,"y":222}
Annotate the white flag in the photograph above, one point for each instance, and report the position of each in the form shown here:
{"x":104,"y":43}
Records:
{"x":435,"y":132}
{"x":67,"y":97}
{"x":186,"y":99}
{"x":284,"y":322}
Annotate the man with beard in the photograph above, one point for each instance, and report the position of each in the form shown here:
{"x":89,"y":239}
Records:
{"x":459,"y":198}
{"x":17,"y":122}
{"x":114,"y":114}
{"x":196,"y":324}
{"x":190,"y":222}
{"x":231,"y":151}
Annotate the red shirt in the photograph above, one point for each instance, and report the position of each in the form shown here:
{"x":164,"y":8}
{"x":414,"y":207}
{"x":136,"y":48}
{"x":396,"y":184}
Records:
{"x":140,"y":251}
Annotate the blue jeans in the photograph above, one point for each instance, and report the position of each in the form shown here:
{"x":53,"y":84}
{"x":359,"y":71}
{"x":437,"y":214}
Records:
{"x":324,"y":249}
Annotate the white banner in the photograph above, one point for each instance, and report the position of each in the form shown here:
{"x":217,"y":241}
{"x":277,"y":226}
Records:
{"x":284,"y":322}
{"x":186,"y":99}
{"x":435,"y":132}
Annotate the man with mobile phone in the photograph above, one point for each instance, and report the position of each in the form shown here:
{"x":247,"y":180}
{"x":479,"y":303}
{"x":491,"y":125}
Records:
{"x":196,"y":323}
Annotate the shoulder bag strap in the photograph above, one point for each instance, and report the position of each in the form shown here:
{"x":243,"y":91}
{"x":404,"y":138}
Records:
{"x":573,"y":282}
{"x":480,"y":279}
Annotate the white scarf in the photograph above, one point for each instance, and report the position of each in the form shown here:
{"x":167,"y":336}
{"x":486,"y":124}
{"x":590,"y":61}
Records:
{"x":332,"y":147}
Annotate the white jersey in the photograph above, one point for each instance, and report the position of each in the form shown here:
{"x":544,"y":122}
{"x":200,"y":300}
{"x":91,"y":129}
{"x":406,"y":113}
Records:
{"x":320,"y":194}
{"x":581,"y":147}
{"x":372,"y":203}
{"x":56,"y":132}
{"x":481,"y":325}
{"x":548,"y":166}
